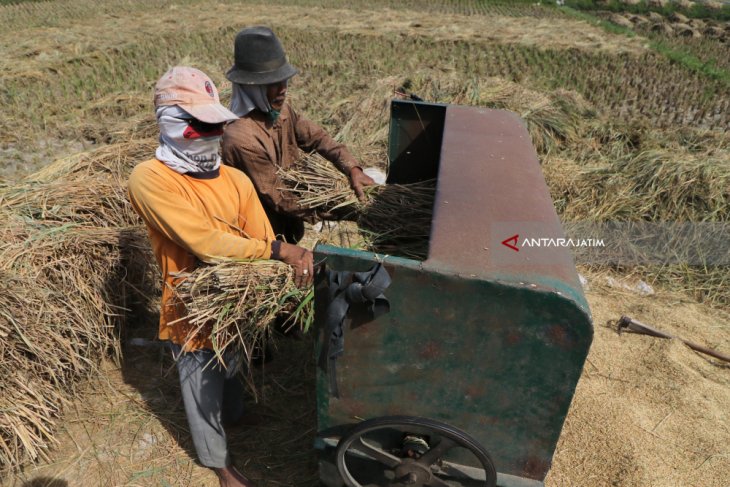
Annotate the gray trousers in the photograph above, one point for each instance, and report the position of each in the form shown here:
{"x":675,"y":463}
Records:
{"x":211,"y":397}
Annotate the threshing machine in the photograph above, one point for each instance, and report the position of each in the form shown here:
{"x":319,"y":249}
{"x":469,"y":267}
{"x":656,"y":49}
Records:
{"x":457,"y":370}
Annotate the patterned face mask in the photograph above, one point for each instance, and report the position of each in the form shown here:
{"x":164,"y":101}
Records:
{"x":187,"y":145}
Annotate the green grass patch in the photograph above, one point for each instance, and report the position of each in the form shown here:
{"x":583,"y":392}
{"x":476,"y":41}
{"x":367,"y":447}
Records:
{"x":698,"y":11}
{"x":678,"y":55}
{"x":689,"y":60}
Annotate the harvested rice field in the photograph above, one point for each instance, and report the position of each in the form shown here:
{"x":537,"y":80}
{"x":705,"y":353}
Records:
{"x":627,"y":104}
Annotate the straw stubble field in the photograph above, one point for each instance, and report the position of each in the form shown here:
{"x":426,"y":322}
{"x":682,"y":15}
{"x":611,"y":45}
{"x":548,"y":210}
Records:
{"x":623,"y":133}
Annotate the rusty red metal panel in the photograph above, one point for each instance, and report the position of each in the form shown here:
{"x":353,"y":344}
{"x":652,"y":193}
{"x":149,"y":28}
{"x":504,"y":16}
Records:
{"x":489,"y":183}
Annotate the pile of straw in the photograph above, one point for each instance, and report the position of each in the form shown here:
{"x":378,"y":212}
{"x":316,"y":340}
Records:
{"x":657,"y":184}
{"x":88,"y":188}
{"x":72,"y":256}
{"x":553,"y":119}
{"x":653,"y":185}
{"x":97,"y":200}
{"x":61,"y":299}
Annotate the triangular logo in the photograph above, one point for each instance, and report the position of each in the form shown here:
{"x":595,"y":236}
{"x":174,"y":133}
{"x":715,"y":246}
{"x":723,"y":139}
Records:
{"x":512,"y":245}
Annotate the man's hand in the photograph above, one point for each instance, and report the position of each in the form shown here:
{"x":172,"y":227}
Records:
{"x":301,"y":259}
{"x":358,"y":180}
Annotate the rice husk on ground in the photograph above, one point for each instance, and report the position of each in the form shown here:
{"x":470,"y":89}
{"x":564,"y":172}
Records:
{"x":648,"y":411}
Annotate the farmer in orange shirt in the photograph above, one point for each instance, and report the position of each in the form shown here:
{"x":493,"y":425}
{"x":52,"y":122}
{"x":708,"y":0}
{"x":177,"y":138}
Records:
{"x":271,"y":133}
{"x":197,"y":210}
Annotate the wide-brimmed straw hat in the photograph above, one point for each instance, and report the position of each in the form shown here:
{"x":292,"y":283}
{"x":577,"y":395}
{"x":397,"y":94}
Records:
{"x":259,"y":58}
{"x":193,"y":91}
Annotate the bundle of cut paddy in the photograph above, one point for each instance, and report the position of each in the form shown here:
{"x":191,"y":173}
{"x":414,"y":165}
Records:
{"x":89,"y":199}
{"x":116,"y":160}
{"x":318,"y":185}
{"x":61,"y":300}
{"x":654,"y":185}
{"x":237,"y":302}
{"x":396,"y":219}
{"x":87,"y":188}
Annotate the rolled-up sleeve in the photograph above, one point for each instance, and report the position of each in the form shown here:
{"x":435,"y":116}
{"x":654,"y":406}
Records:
{"x":311,"y":137}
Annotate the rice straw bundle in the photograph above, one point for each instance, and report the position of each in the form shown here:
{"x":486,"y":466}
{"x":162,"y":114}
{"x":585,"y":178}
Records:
{"x":654,"y":185}
{"x":396,"y":219}
{"x":117,"y":159}
{"x":100,"y":200}
{"x":237,"y":302}
{"x":69,"y":264}
{"x":317,"y":184}
{"x":87,"y":188}
{"x":36,"y":367}
{"x":61,"y":305}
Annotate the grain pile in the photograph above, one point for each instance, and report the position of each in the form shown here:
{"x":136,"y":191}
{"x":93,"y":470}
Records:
{"x":648,"y":411}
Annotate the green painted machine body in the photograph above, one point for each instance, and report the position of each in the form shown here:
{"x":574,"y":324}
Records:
{"x":479,"y":336}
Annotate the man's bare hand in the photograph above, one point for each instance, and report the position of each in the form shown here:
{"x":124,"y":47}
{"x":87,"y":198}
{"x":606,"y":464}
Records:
{"x":301,"y":259}
{"x":358,"y":180}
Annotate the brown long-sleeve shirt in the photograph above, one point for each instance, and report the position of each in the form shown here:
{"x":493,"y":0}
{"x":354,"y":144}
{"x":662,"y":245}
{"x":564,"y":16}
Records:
{"x":258,"y":148}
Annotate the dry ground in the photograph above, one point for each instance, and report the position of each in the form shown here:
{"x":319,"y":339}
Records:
{"x":647,"y":412}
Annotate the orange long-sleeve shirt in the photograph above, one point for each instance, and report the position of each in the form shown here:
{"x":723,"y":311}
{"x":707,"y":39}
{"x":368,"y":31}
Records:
{"x":191,"y":220}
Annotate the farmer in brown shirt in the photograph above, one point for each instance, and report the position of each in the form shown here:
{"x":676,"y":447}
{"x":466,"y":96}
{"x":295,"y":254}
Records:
{"x":270,"y":133}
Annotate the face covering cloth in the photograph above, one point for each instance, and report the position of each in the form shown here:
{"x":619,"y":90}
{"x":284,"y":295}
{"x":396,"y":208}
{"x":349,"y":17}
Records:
{"x":245,"y":98}
{"x":181,"y":152}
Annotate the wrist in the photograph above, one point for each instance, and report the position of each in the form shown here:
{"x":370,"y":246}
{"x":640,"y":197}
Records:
{"x":276,"y":250}
{"x":355,"y":170}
